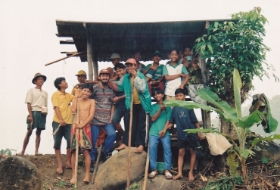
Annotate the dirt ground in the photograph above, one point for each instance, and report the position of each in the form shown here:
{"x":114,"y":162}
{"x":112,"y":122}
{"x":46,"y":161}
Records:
{"x":260,"y":176}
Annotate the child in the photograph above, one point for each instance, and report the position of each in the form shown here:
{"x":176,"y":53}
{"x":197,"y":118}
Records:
{"x":160,"y":117}
{"x":185,"y":119}
{"x":85,"y":107}
{"x":62,"y":116}
{"x":173,"y":73}
{"x":119,"y":101}
{"x":195,"y":73}
{"x":37,"y":102}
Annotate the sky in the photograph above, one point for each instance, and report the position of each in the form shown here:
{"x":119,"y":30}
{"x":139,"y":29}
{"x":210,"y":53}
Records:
{"x":28,"y":42}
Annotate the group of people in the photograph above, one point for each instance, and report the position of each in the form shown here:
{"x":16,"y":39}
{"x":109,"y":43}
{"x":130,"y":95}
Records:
{"x":90,"y":115}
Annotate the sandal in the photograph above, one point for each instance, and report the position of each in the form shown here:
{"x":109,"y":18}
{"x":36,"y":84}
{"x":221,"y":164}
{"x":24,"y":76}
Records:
{"x":153,"y":174}
{"x":167,"y":175}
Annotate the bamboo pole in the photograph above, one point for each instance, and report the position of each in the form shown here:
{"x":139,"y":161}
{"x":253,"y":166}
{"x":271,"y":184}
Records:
{"x":129,"y":138}
{"x":147,"y":159}
{"x":77,"y":144}
{"x":97,"y":163}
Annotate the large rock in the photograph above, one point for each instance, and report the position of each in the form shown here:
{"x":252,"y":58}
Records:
{"x":113,"y":173}
{"x":18,"y":173}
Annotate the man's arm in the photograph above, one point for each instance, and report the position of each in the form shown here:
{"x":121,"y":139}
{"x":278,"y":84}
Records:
{"x":172,"y":77}
{"x":57,"y":112}
{"x":112,"y":113}
{"x":30,"y":117}
{"x":157,"y":114}
{"x":117,"y":98}
{"x":163,"y":131}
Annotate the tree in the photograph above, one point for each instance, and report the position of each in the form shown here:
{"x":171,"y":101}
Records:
{"x":237,"y":43}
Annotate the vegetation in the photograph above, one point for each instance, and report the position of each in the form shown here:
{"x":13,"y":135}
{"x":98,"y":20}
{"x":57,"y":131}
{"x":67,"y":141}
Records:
{"x":237,"y":43}
{"x":6,"y":152}
{"x":224,"y":183}
{"x":241,"y":150}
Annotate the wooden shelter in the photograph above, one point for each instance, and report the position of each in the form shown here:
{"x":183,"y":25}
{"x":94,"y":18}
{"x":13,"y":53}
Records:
{"x":96,"y":41}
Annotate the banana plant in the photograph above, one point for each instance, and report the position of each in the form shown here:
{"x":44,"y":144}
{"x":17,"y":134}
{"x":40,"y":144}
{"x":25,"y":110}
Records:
{"x":233,"y":115}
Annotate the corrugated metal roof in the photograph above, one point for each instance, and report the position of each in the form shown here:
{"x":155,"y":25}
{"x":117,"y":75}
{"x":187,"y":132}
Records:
{"x":128,"y":38}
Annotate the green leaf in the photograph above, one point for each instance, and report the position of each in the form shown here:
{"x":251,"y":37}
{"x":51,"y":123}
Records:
{"x":216,"y":24}
{"x":246,"y":153}
{"x":201,"y":131}
{"x":265,"y":160}
{"x":188,"y":105}
{"x":237,"y":85}
{"x":248,"y":121}
{"x":267,"y":139}
{"x":224,"y":108}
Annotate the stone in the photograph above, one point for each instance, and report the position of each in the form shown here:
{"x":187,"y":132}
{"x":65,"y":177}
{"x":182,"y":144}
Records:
{"x":269,"y":150}
{"x":113,"y":173}
{"x":19,"y":173}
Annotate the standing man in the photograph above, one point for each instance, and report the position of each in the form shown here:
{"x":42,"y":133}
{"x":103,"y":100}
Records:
{"x":104,"y":110}
{"x":37,"y":102}
{"x":153,"y":73}
{"x":140,"y":66}
{"x":141,"y":104}
{"x":82,"y":77}
{"x":61,"y":101}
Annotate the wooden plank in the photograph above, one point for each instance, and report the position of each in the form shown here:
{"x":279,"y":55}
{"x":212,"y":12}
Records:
{"x":73,"y":55}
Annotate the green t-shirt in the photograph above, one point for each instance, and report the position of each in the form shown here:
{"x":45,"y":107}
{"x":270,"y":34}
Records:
{"x":157,"y":74}
{"x":159,"y":124}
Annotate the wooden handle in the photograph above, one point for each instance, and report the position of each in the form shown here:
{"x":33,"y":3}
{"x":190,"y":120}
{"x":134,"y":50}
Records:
{"x":55,"y":131}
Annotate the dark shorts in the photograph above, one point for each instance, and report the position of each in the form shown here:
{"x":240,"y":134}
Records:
{"x":118,"y":114}
{"x":39,"y":120}
{"x":64,"y":131}
{"x":188,"y":143}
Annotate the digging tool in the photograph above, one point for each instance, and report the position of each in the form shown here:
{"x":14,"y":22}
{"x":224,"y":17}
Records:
{"x":147,"y":145}
{"x":55,"y":131}
{"x":77,"y":144}
{"x":129,"y":137}
{"x":96,"y":164}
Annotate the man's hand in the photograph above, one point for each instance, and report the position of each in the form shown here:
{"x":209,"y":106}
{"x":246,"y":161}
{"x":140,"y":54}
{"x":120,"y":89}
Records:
{"x":30,"y":118}
{"x":154,"y":82}
{"x":162,"y":133}
{"x":115,"y":99}
{"x":133,"y":73}
{"x":163,"y":107}
{"x":78,"y":93}
{"x":181,"y":86}
{"x":79,"y":126}
{"x":62,"y":122}
{"x":199,"y":135}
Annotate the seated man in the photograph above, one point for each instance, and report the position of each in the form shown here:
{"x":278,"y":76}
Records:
{"x":153,"y":73}
{"x":104,"y":110}
{"x":160,"y":117}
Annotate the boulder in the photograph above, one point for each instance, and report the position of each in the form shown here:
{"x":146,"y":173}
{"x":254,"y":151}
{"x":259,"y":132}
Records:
{"x":269,"y":150}
{"x":113,"y":173}
{"x":18,"y":173}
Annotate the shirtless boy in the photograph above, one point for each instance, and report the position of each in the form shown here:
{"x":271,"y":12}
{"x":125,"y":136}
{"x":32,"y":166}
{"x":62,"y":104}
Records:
{"x":85,"y":107}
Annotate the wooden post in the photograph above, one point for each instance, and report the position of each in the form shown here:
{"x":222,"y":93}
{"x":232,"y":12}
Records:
{"x":206,"y":118}
{"x":89,"y":52}
{"x":95,"y":64}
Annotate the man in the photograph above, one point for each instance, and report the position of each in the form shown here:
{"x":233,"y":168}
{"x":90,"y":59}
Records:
{"x":37,"y":102}
{"x":86,"y":108}
{"x":104,"y":110}
{"x":119,"y":101}
{"x":63,"y":119}
{"x":153,"y":73}
{"x":140,"y":66}
{"x":141,"y":104}
{"x":115,"y":58}
{"x":81,"y":76}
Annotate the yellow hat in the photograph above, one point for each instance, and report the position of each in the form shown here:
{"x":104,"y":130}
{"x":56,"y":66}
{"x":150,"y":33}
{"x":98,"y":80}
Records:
{"x":81,"y":72}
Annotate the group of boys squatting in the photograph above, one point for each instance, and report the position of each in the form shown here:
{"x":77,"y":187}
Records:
{"x":96,"y":107}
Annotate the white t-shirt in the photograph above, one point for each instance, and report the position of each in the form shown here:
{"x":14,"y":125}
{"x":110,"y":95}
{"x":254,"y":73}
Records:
{"x":37,"y":98}
{"x":172,"y":85}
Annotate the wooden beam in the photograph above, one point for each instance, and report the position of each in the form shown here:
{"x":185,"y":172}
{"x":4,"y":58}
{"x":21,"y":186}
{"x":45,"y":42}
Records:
{"x":95,"y":64}
{"x":73,"y":55}
{"x":66,"y":42}
{"x":89,"y":53}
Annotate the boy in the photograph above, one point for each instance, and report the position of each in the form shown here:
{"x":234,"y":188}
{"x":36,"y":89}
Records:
{"x":81,"y":77}
{"x":141,"y":104}
{"x":85,"y":107}
{"x":62,"y":116}
{"x":160,"y":117}
{"x":173,"y":72}
{"x":37,"y":102}
{"x":119,"y":101}
{"x":185,"y":119}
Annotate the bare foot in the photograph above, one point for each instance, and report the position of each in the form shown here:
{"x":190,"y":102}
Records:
{"x":59,"y":171}
{"x":191,"y":176}
{"x":73,"y":181}
{"x":20,"y":154}
{"x":178,"y":176}
{"x":139,"y":149}
{"x":68,"y":166}
{"x":86,"y":179}
{"x":123,"y":146}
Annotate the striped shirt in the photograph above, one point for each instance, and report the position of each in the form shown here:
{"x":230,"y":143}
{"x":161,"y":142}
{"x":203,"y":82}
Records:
{"x":103,"y":104}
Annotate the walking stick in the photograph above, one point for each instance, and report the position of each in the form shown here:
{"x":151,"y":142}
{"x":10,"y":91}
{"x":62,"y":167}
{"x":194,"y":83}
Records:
{"x":129,"y":137}
{"x":55,"y":131}
{"x":147,"y":160}
{"x":97,"y":163}
{"x":77,"y":144}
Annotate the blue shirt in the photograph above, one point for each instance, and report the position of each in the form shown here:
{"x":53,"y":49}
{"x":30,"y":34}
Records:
{"x":184,"y":119}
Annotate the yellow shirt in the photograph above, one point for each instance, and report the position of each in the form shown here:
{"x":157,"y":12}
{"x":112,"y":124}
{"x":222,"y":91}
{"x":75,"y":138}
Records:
{"x":74,"y":90}
{"x":136,"y":99}
{"x":62,"y":101}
